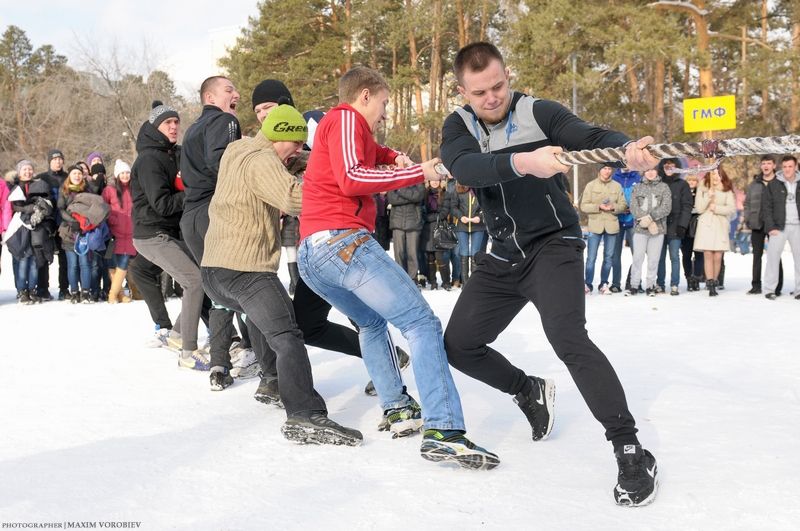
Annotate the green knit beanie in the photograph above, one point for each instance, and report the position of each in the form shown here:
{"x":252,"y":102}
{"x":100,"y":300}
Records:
{"x":285,"y":124}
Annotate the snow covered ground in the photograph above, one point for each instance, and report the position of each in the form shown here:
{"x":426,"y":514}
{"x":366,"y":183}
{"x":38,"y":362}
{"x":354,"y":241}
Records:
{"x":98,"y":428}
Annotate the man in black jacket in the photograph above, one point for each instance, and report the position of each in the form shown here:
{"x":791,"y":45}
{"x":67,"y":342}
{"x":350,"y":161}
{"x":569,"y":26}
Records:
{"x":677,"y":223}
{"x":203,"y":145}
{"x":405,"y":222}
{"x":54,"y":177}
{"x":157,"y":207}
{"x":503,"y":145}
{"x":781,"y":216}
{"x":753,"y":206}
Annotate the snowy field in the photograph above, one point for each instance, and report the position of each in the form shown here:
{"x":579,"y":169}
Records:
{"x":97,"y":428}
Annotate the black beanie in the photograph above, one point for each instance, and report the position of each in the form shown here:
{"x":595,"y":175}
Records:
{"x":272,"y":90}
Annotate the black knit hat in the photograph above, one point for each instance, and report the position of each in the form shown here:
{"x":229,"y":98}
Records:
{"x":272,"y":90}
{"x":53,"y":153}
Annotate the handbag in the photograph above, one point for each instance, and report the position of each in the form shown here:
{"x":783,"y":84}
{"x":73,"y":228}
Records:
{"x":444,"y":235}
{"x":692,"y":230}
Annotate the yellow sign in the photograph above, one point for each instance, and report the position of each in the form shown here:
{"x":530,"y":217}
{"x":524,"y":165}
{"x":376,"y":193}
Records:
{"x":709,"y":114}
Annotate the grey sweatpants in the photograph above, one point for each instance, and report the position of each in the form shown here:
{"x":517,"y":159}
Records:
{"x":650,"y":245}
{"x":790,"y":233}
{"x":173,"y":256}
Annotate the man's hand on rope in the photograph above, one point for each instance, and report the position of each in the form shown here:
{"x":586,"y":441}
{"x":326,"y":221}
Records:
{"x":637,"y":157}
{"x":539,"y":162}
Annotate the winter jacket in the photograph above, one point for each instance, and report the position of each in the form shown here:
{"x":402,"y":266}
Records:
{"x":595,"y":194}
{"x":87,"y":204}
{"x":31,"y":200}
{"x":157,"y":203}
{"x":466,"y":204}
{"x":654,"y":199}
{"x":252,"y":190}
{"x":436,"y":206}
{"x":406,"y":211}
{"x":5,"y":208}
{"x":203,"y":145}
{"x":627,"y":180}
{"x":54,"y":179}
{"x":753,"y":202}
{"x":713,"y":227}
{"x":521,"y":211}
{"x":69,"y":229}
{"x":120,"y":217}
{"x":342,"y":176}
{"x":682,"y":203}
{"x":774,"y":204}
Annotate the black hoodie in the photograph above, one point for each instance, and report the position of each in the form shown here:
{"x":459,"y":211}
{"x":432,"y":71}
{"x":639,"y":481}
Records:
{"x":157,"y":204}
{"x":682,"y":200}
{"x":521,"y":211}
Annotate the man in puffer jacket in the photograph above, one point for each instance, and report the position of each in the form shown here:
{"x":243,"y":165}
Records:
{"x":651,"y":203}
{"x":405,"y":222}
{"x":627,"y":180}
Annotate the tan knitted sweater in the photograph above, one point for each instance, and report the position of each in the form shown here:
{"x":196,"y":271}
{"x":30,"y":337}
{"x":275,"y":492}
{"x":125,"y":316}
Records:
{"x":253,"y":188}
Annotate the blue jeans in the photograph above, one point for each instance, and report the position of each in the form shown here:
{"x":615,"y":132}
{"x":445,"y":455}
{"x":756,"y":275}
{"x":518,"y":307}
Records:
{"x":371,"y":289}
{"x":469,"y":243}
{"x":79,"y":267}
{"x":27,"y":273}
{"x":593,"y":244}
{"x":625,"y":235}
{"x":674,"y":245}
{"x":120,"y":261}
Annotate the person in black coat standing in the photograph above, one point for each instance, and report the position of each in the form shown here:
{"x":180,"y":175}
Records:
{"x":54,"y":177}
{"x":754,"y":218}
{"x":677,"y":225}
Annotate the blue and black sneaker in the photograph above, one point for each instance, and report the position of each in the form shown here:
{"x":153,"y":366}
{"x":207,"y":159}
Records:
{"x":453,"y":445}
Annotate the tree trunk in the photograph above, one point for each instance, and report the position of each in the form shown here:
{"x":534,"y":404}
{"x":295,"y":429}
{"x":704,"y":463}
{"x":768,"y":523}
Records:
{"x":484,"y":20}
{"x":633,"y":82}
{"x":658,"y":99}
{"x":348,"y":32}
{"x":413,"y":59}
{"x":436,"y":65}
{"x":396,"y":94}
{"x":765,"y":90}
{"x":743,"y":105}
{"x":462,"y":26}
{"x":794,"y":117}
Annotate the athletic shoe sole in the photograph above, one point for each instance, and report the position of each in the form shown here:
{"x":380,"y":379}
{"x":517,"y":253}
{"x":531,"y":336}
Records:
{"x":268,"y":400}
{"x":405,"y":428}
{"x":439,"y":451}
{"x":306,"y":435}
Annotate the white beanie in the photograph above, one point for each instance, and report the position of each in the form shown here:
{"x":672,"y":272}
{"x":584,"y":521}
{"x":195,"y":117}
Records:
{"x":120,"y":166}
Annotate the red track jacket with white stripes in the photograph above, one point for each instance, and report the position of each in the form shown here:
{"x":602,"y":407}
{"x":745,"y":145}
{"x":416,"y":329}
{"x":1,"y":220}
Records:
{"x":341,"y":176}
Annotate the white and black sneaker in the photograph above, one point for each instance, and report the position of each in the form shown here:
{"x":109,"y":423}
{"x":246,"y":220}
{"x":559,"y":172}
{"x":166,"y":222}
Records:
{"x":220,"y":378}
{"x":637,"y":481}
{"x":317,"y":428}
{"x":537,"y":405}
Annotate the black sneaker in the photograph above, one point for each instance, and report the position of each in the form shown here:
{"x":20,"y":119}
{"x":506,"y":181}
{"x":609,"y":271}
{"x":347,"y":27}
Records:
{"x":754,"y":291}
{"x":631,"y":292}
{"x":651,"y":292}
{"x":317,"y":428}
{"x":63,"y":295}
{"x":220,"y":378}
{"x":44,"y":295}
{"x":637,"y":481}
{"x":615,"y":289}
{"x":659,"y":290}
{"x":403,"y":360}
{"x":268,"y":392}
{"x":35,"y":298}
{"x":537,"y":405}
{"x":452,"y":445}
{"x":771,"y":296}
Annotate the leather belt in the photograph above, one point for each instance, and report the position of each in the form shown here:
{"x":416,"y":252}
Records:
{"x":346,"y":254}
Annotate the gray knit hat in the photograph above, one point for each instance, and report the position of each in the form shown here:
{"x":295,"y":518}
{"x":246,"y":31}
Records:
{"x":160,"y":113}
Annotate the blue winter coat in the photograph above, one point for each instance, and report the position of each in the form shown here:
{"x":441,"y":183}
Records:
{"x":626,"y":179}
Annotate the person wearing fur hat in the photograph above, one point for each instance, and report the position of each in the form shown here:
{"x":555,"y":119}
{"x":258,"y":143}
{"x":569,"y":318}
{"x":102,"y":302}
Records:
{"x":241,"y":259}
{"x":118,"y":196}
{"x":677,"y":225}
{"x":157,"y":208}
{"x":651,"y":203}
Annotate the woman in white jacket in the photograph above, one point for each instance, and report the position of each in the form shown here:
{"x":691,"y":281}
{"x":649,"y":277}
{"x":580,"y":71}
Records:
{"x":715,"y":203}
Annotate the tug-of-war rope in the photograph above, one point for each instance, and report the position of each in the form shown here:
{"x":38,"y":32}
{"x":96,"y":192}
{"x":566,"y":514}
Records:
{"x":709,"y":149}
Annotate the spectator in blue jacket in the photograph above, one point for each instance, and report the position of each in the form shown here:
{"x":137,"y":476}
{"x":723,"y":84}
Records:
{"x":627,"y":179}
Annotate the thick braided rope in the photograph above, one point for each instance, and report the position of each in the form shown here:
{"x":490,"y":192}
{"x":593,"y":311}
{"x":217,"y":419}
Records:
{"x":772,"y":145}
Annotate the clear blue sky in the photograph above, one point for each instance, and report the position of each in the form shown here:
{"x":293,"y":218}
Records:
{"x":182,"y":37}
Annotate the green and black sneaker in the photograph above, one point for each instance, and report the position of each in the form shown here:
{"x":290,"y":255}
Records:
{"x":453,"y":445}
{"x":403,"y":421}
